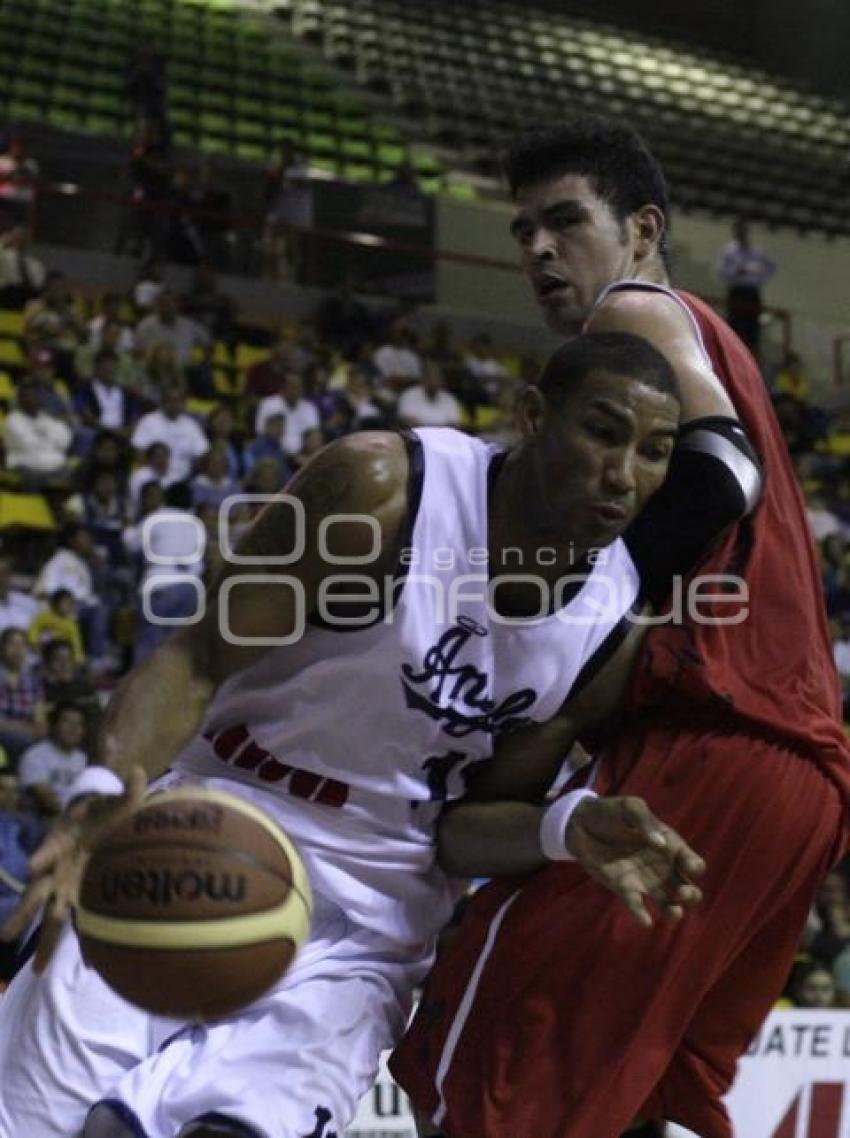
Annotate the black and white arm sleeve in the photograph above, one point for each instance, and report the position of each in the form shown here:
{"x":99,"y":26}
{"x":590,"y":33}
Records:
{"x":713,"y":481}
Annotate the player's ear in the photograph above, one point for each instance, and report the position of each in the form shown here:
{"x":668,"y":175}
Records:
{"x":530,"y":411}
{"x":647,"y":225}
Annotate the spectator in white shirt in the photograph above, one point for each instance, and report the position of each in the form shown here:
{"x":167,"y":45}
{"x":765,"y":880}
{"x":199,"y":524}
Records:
{"x":428,"y":404}
{"x":165,"y":325}
{"x":481,"y":362}
{"x":397,"y":361}
{"x":155,"y":469}
{"x":823,"y":521}
{"x":744,"y":269}
{"x":300,"y":414}
{"x":17,"y":609}
{"x":176,"y":428}
{"x":110,"y":313}
{"x":47,"y":770}
{"x":149,"y":285}
{"x":71,"y":567}
{"x":36,"y":442}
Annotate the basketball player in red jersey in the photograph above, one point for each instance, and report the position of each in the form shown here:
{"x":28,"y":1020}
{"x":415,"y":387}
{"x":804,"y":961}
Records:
{"x":551,"y":1014}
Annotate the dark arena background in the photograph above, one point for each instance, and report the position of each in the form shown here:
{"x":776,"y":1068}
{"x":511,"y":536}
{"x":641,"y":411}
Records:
{"x":280,"y":218}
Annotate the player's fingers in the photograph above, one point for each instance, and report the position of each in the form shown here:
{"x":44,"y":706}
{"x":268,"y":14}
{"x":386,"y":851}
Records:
{"x":633,"y":899}
{"x":691,"y":864}
{"x":136,"y":784}
{"x":31,"y":902}
{"x":52,"y":851}
{"x":688,"y":861}
{"x":673,"y":912}
{"x":639,"y":817}
{"x":688,"y":895}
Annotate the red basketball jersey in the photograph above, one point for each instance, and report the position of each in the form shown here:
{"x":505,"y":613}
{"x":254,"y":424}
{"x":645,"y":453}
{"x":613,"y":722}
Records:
{"x":775,"y":668}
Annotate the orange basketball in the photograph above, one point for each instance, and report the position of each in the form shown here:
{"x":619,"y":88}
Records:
{"x":193,"y":905}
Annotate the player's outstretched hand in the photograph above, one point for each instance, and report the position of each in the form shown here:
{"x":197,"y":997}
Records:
{"x":622,"y":845}
{"x":56,"y":868}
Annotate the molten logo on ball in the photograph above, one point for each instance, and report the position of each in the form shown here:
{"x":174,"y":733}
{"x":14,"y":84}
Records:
{"x":163,"y":886}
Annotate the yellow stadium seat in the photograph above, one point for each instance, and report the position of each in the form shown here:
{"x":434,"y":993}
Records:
{"x":201,"y":407}
{"x":29,"y":511}
{"x":226,"y":382}
{"x":7,"y":387}
{"x":837,"y":444}
{"x":10,"y":353}
{"x":11,"y":322}
{"x":222,"y":355}
{"x":247,"y":355}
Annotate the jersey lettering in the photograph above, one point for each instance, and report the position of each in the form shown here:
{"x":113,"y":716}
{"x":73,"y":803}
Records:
{"x":235,"y":746}
{"x":441,"y":676}
{"x":323,"y":1117}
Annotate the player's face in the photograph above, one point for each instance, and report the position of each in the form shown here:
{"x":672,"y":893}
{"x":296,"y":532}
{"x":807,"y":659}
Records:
{"x":599,"y":458}
{"x":572,"y":247}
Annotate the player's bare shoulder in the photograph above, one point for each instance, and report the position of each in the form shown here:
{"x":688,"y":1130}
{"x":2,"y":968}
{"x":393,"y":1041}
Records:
{"x":365,"y":471}
{"x":348,"y":489}
{"x":660,"y":317}
{"x":656,"y":315}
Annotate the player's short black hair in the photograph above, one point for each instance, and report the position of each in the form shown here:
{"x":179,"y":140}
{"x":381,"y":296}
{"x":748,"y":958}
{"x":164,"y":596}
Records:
{"x":608,"y":152}
{"x":619,"y":352}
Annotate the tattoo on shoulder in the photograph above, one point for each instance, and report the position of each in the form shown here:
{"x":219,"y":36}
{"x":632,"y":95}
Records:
{"x":322,"y":491}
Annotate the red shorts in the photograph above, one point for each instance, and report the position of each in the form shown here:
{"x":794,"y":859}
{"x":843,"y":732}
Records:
{"x":552,"y":1014}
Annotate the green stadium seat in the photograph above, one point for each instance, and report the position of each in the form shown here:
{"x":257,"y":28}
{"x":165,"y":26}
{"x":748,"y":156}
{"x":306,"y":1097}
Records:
{"x":426,"y":165}
{"x":220,"y":126}
{"x":30,"y":91}
{"x":213,"y":144}
{"x":281,"y":115}
{"x":391,"y":156}
{"x":70,"y":118}
{"x":19,"y":111}
{"x":101,"y":124}
{"x":106,"y":104}
{"x":358,"y":172}
{"x":318,"y":120}
{"x":356,"y":149}
{"x":387,"y":134}
{"x":250,"y":152}
{"x":250,"y":109}
{"x":323,"y":162}
{"x":215,"y":101}
{"x":320,"y":145}
{"x":186,"y":137}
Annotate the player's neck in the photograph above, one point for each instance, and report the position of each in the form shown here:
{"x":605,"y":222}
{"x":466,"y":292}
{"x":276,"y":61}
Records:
{"x":653,"y":271}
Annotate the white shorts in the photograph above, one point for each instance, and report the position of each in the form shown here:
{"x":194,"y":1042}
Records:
{"x":295,"y":1063}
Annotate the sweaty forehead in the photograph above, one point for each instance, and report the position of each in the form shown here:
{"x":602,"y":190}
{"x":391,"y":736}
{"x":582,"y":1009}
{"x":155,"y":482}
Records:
{"x":550,"y":192}
{"x":619,"y":391}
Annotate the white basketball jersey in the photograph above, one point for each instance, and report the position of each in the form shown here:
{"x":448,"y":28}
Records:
{"x":357,"y":736}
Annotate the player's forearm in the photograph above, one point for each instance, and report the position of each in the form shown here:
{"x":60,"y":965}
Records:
{"x":490,"y":839}
{"x":157,"y":710}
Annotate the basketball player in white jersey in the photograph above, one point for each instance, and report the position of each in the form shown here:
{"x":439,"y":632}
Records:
{"x":377,"y":708}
